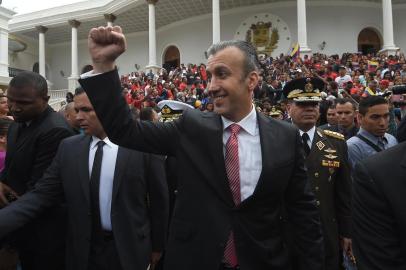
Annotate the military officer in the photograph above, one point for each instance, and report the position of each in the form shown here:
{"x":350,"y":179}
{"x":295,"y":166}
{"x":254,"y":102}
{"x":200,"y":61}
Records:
{"x":327,"y":167}
{"x":276,"y":112}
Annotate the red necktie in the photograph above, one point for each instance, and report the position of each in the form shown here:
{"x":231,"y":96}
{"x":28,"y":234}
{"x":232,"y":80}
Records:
{"x":233,"y":174}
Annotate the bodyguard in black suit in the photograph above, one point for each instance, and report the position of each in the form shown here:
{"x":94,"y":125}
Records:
{"x":379,"y":216}
{"x":123,"y":233}
{"x":224,"y":217}
{"x":32,"y":143}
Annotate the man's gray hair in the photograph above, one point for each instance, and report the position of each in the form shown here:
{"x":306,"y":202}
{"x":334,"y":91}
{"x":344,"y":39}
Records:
{"x":251,"y":62}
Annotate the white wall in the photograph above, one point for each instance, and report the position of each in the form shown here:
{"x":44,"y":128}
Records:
{"x":25,"y":60}
{"x":338,"y":26}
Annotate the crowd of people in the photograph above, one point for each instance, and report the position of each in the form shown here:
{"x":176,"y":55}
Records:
{"x":351,"y":75}
{"x":95,"y":186}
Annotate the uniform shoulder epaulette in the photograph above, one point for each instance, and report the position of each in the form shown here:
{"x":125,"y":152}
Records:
{"x":334,"y":134}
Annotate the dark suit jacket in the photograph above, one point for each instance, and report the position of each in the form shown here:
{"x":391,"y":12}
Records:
{"x":401,"y":131}
{"x":29,"y":153}
{"x":139,"y":203}
{"x":379,"y":216}
{"x":332,"y":187}
{"x":204,"y":211}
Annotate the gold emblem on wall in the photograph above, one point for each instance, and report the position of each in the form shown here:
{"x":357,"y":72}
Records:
{"x":263,"y":37}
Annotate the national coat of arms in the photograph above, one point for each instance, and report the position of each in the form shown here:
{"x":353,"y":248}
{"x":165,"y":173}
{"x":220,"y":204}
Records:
{"x":263,"y":37}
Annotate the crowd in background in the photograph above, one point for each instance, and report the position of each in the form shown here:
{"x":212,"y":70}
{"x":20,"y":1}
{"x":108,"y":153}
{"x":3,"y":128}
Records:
{"x":351,"y":75}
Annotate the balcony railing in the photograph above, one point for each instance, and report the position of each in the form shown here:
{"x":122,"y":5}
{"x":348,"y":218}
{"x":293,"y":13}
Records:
{"x":57,"y":94}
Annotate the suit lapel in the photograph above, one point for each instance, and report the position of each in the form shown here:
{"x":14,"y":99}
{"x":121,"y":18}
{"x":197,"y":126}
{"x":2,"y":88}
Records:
{"x":83,"y":165}
{"x":215,"y":144}
{"x":121,"y":164}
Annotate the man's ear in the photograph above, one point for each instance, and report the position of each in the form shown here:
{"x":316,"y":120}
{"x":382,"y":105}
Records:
{"x":359,"y":116}
{"x":252,"y":78}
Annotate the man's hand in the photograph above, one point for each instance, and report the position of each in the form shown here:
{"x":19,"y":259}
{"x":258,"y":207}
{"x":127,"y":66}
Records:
{"x":105,"y":44}
{"x":5,"y":193}
{"x":346,"y":244}
{"x":155,"y":257}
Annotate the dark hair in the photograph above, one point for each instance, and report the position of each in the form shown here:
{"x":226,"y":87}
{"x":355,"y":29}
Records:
{"x":4,"y":124}
{"x":251,"y":62}
{"x":342,"y":101}
{"x":30,"y":79}
{"x":79,"y":90}
{"x":86,"y":68}
{"x":146,"y":114}
{"x":370,"y":101}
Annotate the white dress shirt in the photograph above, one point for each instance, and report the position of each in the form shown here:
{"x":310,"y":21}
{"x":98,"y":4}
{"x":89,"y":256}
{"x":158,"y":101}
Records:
{"x":310,"y":132}
{"x":249,"y":151}
{"x":106,"y":177}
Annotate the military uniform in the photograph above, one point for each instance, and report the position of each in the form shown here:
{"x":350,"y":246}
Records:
{"x":328,"y":171}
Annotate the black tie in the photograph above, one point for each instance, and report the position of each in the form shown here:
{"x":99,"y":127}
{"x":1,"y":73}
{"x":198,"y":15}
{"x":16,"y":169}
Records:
{"x":94,"y":186}
{"x":306,"y":138}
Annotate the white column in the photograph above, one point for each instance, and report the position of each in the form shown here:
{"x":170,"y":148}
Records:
{"x":4,"y":53}
{"x":152,"y":64}
{"x":5,"y":16}
{"x":216,"y":21}
{"x":110,"y":18}
{"x":42,"y":30}
{"x":302,"y":28}
{"x":73,"y":79}
{"x":388,"y":42}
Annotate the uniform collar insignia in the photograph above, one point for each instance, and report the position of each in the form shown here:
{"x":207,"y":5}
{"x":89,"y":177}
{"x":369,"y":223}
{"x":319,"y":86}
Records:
{"x":320,"y":145}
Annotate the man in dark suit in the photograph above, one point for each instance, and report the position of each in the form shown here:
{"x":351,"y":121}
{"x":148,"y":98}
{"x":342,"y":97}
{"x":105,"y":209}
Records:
{"x":327,"y":165}
{"x":117,"y":200}
{"x":379,"y":217}
{"x":236,"y":167}
{"x":31,"y":145}
{"x":346,"y":110}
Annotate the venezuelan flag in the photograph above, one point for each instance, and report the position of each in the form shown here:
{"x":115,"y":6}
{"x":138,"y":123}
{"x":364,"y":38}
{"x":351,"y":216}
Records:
{"x":373,"y":65}
{"x":295,"y":51}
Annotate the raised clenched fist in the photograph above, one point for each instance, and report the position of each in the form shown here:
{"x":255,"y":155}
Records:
{"x":105,"y":44}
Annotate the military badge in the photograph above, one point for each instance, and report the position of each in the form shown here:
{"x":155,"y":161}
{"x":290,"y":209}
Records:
{"x":330,"y":151}
{"x":330,"y":163}
{"x":320,"y":145}
{"x":308,"y":86}
{"x":330,"y":156}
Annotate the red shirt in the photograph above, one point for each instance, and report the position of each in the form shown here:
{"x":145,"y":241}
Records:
{"x":203,"y":73}
{"x":182,"y":86}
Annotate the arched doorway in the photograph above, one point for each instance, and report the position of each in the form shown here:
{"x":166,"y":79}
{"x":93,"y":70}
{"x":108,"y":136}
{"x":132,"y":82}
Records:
{"x":171,"y":58}
{"x":369,"y":41}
